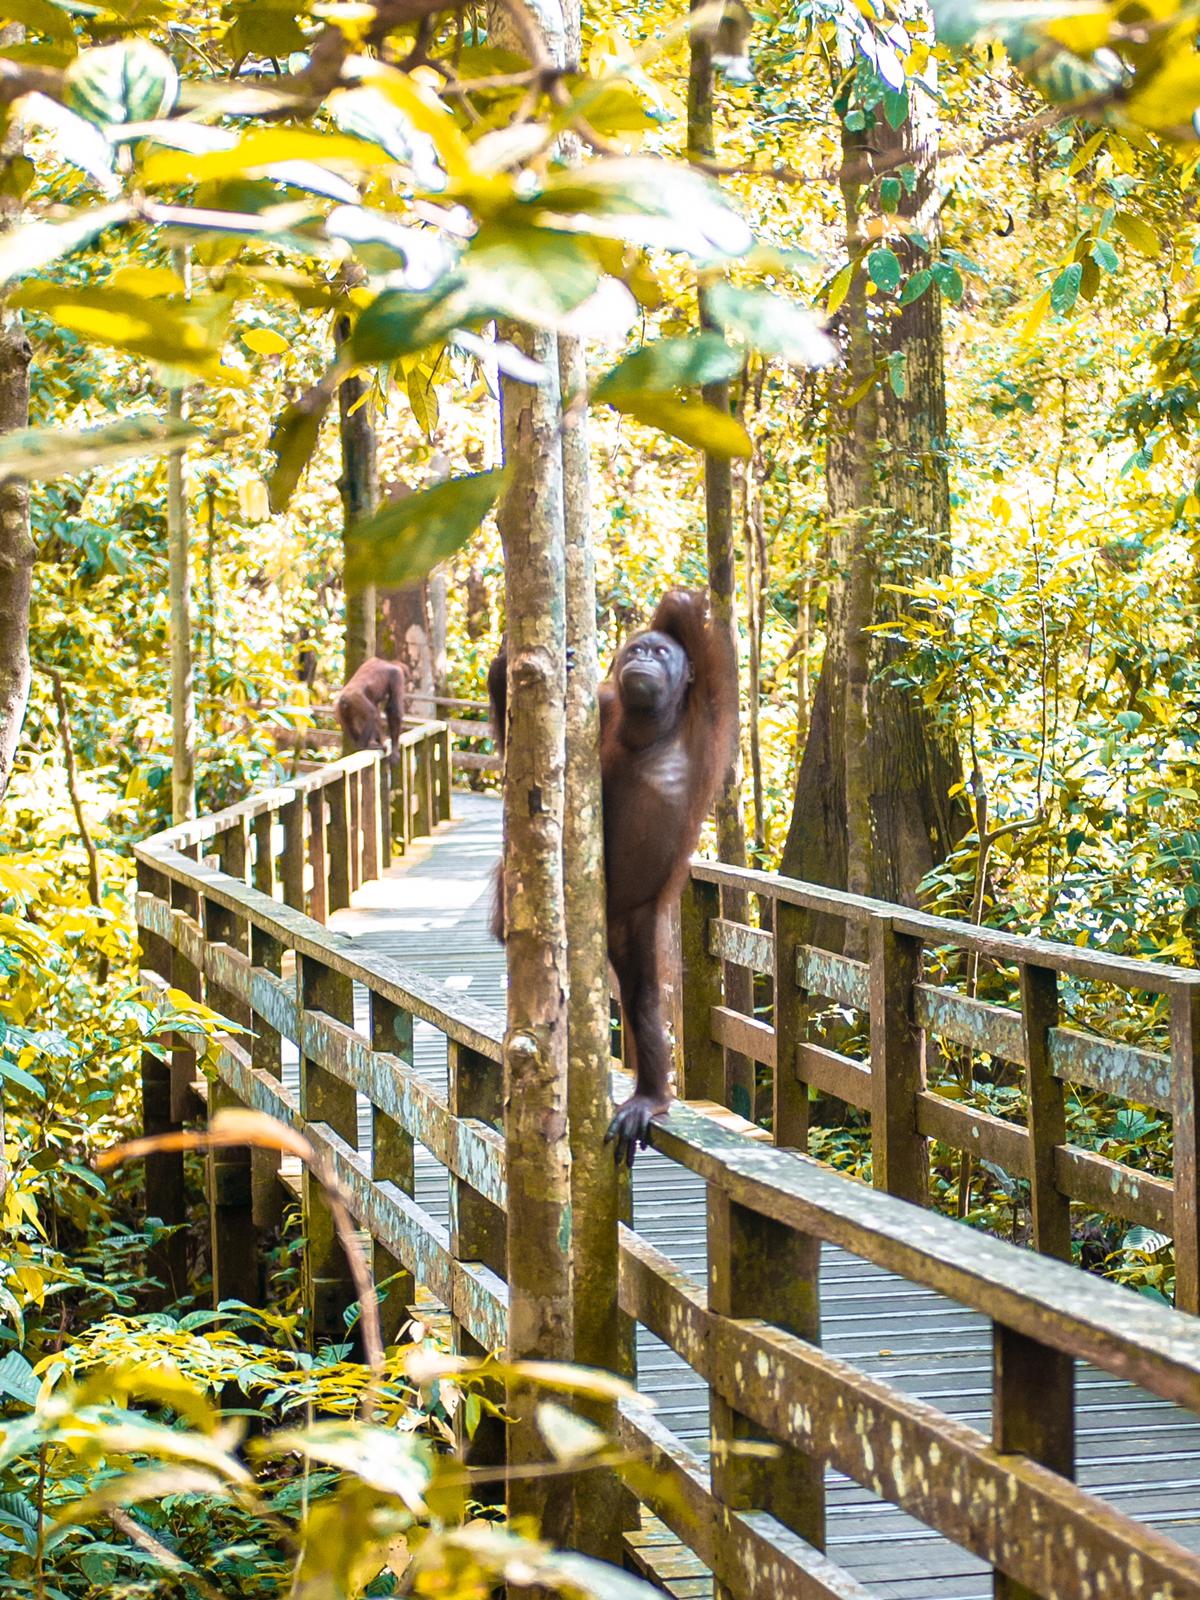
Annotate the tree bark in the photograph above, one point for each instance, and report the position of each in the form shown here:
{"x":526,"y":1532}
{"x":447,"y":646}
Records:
{"x":722,"y":589}
{"x":540,"y":1246}
{"x":872,"y":811}
{"x":406,"y":618}
{"x":179,"y":580}
{"x":359,"y":489}
{"x":16,"y":550}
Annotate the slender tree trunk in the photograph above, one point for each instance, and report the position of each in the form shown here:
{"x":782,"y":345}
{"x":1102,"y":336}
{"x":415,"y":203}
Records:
{"x":359,"y":488}
{"x":405,"y":615}
{"x":722,"y":588}
{"x":16,"y":549}
{"x":16,"y":542}
{"x":540,"y":1244}
{"x":179,"y":578}
{"x":872,"y":811}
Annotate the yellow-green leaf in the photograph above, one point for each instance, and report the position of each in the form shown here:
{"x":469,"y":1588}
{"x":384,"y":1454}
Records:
{"x":1137,"y":233}
{"x":264,"y":341}
{"x":691,"y":422}
{"x":401,"y":542}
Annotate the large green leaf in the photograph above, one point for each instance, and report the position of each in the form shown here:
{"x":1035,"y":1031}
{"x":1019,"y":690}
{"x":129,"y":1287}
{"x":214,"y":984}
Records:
{"x":771,"y":324}
{"x":646,"y":202}
{"x":529,"y":273}
{"x":400,"y":322}
{"x":131,"y":81}
{"x":690,"y":421}
{"x":180,"y":334}
{"x":294,"y":439}
{"x":367,"y":112}
{"x":43,"y":453}
{"x":36,"y":244}
{"x":669,"y":364}
{"x":404,"y":540}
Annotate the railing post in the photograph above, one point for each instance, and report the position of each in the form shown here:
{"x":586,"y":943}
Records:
{"x":1185,"y":1080}
{"x":759,"y":1268}
{"x":741,"y":1092}
{"x":444,"y":765}
{"x":291,"y":818}
{"x":1046,"y":1113}
{"x":791,"y":1109}
{"x":392,"y":1160}
{"x":1033,"y":1414}
{"x":164,"y":1180}
{"x":354,"y":839}
{"x":266,"y":953}
{"x":186,"y":978}
{"x":423,"y":781}
{"x":341,"y":846}
{"x":403,"y":802}
{"x":383,"y":777}
{"x":325,"y":1098}
{"x":477,"y":1227}
{"x":899,"y":1159}
{"x":318,"y":894}
{"x":702,"y":1074}
{"x":371,"y":860}
{"x":235,"y":1254}
{"x":265,"y":876}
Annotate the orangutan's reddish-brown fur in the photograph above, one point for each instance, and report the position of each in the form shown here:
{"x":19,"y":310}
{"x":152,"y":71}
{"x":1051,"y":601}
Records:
{"x":373,"y":698}
{"x":668,"y":724}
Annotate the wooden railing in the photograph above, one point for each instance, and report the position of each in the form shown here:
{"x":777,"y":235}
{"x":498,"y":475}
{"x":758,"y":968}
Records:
{"x":472,"y":746}
{"x":903,"y":1015}
{"x":230,"y":910}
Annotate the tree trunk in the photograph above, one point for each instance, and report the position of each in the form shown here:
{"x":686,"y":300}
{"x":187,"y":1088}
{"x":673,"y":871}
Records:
{"x":872,"y":811}
{"x":359,"y":488}
{"x":405,"y":615}
{"x":540,"y":1246}
{"x":722,"y":588}
{"x":179,"y":579}
{"x":16,"y":549}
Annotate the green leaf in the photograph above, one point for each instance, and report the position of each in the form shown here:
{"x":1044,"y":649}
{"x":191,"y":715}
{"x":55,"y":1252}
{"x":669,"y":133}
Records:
{"x":895,"y":107}
{"x":36,"y":244}
{"x":265,"y":28}
{"x":294,"y":438}
{"x":366,"y":112}
{"x":569,"y":1437}
{"x":889,"y":194}
{"x":400,"y":322}
{"x":883,"y":268}
{"x":529,"y":273}
{"x":182,"y":334}
{"x":670,"y":364}
{"x":1065,"y":288}
{"x":10,"y":1071}
{"x":691,"y":422}
{"x":770,"y":324}
{"x":394,"y":1463}
{"x":404,"y":540}
{"x":1105,"y":257}
{"x":132,"y":81}
{"x":43,"y":453}
{"x":17,"y":1379}
{"x":949,"y":280}
{"x":897,"y":364}
{"x":916,"y":286}
{"x":643,"y":201}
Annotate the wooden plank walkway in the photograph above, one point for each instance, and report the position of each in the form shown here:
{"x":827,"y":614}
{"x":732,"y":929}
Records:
{"x":431,"y":912}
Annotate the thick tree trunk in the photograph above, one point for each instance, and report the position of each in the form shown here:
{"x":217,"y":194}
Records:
{"x":359,"y":489}
{"x":183,"y":675}
{"x":405,"y":614}
{"x":16,"y":550}
{"x":872,"y":811}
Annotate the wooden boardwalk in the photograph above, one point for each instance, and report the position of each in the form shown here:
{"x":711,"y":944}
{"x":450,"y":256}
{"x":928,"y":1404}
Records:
{"x":430,"y":912}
